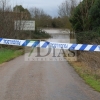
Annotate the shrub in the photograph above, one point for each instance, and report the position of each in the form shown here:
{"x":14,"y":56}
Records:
{"x":87,"y":37}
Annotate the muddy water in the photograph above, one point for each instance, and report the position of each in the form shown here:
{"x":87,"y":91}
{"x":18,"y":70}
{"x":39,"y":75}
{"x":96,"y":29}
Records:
{"x":49,"y":54}
{"x":59,"y":35}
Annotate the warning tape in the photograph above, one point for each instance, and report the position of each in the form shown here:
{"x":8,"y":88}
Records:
{"x":46,"y":44}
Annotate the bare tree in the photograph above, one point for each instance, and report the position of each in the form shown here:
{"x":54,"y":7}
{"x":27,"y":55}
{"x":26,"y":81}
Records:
{"x":66,"y":8}
{"x":42,"y":19}
{"x":5,"y":18}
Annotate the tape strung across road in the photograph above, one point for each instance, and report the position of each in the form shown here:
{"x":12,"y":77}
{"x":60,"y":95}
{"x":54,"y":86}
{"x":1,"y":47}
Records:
{"x":46,"y":44}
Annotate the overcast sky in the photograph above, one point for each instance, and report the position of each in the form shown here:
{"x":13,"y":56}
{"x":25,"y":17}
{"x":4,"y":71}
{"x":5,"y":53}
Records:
{"x":49,"y":6}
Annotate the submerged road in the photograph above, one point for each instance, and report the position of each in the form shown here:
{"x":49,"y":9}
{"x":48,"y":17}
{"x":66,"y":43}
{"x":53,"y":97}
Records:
{"x":42,"y":80}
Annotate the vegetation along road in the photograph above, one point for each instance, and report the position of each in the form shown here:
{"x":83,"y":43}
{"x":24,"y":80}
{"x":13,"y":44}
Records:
{"x":43,"y":80}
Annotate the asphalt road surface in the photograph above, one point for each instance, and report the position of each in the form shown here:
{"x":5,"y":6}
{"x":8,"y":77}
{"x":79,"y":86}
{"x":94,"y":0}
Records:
{"x":42,"y":80}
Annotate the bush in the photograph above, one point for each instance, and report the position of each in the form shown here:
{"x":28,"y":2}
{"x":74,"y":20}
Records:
{"x":40,"y":34}
{"x":87,"y":37}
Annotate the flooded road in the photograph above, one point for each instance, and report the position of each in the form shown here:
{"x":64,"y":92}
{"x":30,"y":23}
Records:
{"x":59,"y":35}
{"x":43,"y":80}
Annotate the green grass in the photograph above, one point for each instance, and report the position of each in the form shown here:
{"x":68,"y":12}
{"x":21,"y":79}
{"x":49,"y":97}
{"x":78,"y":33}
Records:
{"x":89,"y":79}
{"x":92,"y":82}
{"x":7,"y":54}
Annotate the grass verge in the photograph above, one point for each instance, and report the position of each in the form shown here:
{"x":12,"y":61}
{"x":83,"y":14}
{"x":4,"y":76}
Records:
{"x":88,"y":77}
{"x":7,"y":54}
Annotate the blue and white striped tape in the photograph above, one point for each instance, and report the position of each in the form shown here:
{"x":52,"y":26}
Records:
{"x":46,"y":44}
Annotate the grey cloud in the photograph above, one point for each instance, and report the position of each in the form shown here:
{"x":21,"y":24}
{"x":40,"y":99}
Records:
{"x":49,"y":6}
